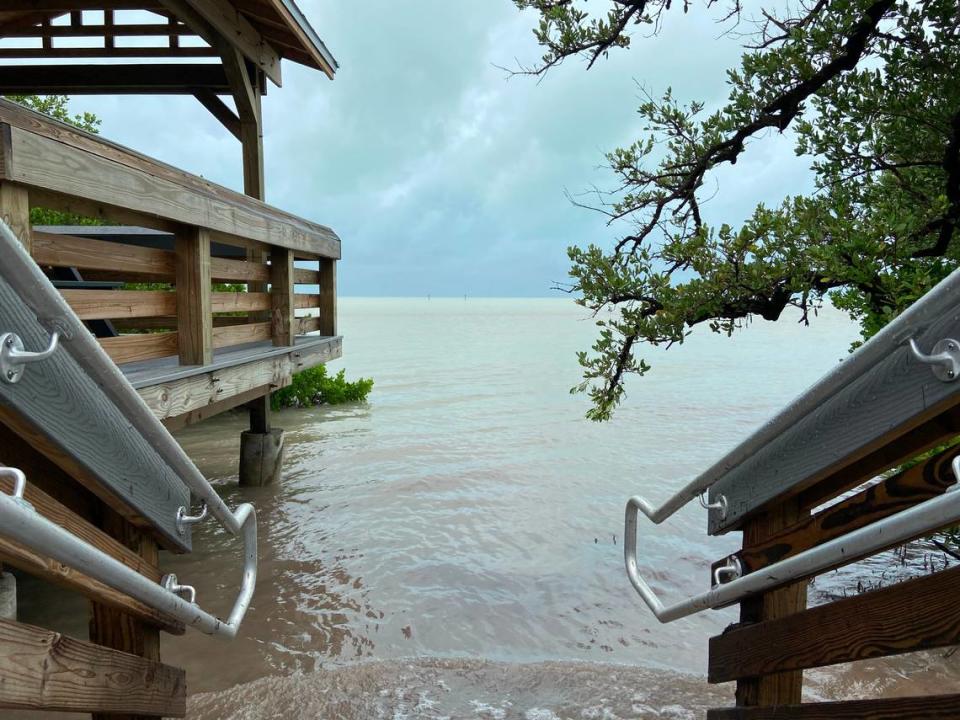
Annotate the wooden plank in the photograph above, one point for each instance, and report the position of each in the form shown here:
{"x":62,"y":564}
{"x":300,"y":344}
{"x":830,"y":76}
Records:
{"x":114,"y":79}
{"x":101,"y":52}
{"x":307,"y":302}
{"x":778,"y":688}
{"x":900,"y":394}
{"x":930,"y":707}
{"x":109,"y":304}
{"x":60,"y":400}
{"x":937,"y":431}
{"x":223,"y":269}
{"x":45,"y":670}
{"x":918,"y":614}
{"x":303,"y":276}
{"x":15,"y":211}
{"x":233,"y":27}
{"x":214,"y":408}
{"x":117,"y":629}
{"x":114,"y":176}
{"x":923,"y":481}
{"x":130,"y":348}
{"x":122,"y":30}
{"x":86,"y":254}
{"x":240,"y":302}
{"x":282,"y":297}
{"x":170,"y":399}
{"x":306,"y":325}
{"x":238,"y":334}
{"x":194,"y":303}
{"x":328,"y":297}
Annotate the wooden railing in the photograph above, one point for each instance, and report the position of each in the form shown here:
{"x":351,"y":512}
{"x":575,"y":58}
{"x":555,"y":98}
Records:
{"x":206,"y":234}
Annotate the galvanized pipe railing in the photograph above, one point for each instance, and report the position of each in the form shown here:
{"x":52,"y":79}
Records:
{"x":921,"y":519}
{"x":904,"y":329}
{"x":53,"y":312}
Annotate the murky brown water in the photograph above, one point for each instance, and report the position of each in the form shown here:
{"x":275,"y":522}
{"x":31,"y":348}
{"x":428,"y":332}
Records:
{"x":452,"y":548}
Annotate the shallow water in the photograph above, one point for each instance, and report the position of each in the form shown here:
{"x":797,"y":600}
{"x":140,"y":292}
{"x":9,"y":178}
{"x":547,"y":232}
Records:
{"x":468,"y":516}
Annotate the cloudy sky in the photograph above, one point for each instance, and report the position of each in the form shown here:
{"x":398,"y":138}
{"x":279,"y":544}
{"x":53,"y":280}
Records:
{"x":441,"y":175}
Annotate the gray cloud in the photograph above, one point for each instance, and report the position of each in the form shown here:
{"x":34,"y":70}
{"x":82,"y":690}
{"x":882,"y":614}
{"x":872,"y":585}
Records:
{"x":441,"y":175}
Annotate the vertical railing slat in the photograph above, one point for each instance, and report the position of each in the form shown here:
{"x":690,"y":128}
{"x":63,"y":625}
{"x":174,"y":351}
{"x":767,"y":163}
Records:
{"x":194,"y":311}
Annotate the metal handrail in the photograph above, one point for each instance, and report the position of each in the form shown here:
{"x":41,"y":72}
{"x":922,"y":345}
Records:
{"x":28,"y":527}
{"x":904,"y":329}
{"x":52,"y":311}
{"x":921,"y":519}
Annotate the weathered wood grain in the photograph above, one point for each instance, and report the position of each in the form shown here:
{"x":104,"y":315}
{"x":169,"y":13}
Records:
{"x":87,"y":254}
{"x":914,"y":615}
{"x":905,"y":489}
{"x":303,"y":276}
{"x":171,"y":399}
{"x":53,"y":158}
{"x":15,"y":211}
{"x":303,"y":301}
{"x":283,"y":300}
{"x":898,"y":395}
{"x":931,"y":707}
{"x":131,"y":348}
{"x":44,"y":670}
{"x":305,"y":325}
{"x":61,"y":400}
{"x":225,"y":269}
{"x":328,"y":297}
{"x":240,"y":301}
{"x":239,"y":334}
{"x":779,"y":688}
{"x":194,"y":303}
{"x":110,"y":304}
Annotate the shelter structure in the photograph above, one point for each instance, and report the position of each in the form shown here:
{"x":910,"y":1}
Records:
{"x":201,"y":298}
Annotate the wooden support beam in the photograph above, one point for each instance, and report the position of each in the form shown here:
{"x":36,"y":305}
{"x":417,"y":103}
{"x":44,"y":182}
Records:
{"x":282,"y":297}
{"x":117,"y":629}
{"x":194,"y":308}
{"x":15,"y":211}
{"x":918,"y":614}
{"x":107,"y":52}
{"x":45,"y":670}
{"x":176,"y":397}
{"x":220,"y":111}
{"x":208,"y":411}
{"x":931,"y":707}
{"x":779,"y":688}
{"x":78,"y":30}
{"x":328,"y":297}
{"x":219,"y":23}
{"x":148,"y":79}
{"x":922,"y":481}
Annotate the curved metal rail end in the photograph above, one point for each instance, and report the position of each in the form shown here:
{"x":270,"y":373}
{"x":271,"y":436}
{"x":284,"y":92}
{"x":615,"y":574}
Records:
{"x":22,"y":523}
{"x":664,"y":614}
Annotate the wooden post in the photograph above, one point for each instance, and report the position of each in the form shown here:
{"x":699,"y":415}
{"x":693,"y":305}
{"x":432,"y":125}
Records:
{"x":783,"y":688}
{"x":328,"y":297}
{"x":194,"y":310}
{"x":15,"y":211}
{"x":281,"y":296}
{"x":116,"y":629}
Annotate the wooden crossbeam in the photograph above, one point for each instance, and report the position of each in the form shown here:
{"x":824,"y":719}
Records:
{"x":75,"y":30}
{"x":918,"y":614}
{"x":135,"y":79}
{"x":932,"y":707}
{"x":220,"y":111}
{"x":45,"y":670}
{"x":219,"y":23}
{"x":104,"y":52}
